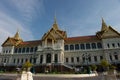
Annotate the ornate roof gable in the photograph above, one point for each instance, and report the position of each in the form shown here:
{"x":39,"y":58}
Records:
{"x":110,"y":33}
{"x":55,"y":32}
{"x":9,"y":42}
{"x":13,"y":41}
{"x":107,"y":31}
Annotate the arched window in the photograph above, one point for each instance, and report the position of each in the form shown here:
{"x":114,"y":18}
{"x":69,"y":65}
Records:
{"x":27,"y":50}
{"x":71,"y":47}
{"x":6,"y":51}
{"x":66,"y":60}
{"x":66,"y":47}
{"x":87,"y":46}
{"x":21,"y":60}
{"x":118,"y":44}
{"x":82,"y":46}
{"x":108,"y":45}
{"x":31,"y":49}
{"x":93,"y":46}
{"x":15,"y":50}
{"x":26,"y":60}
{"x":99,"y":45}
{"x":9,"y":51}
{"x":41,"y":58}
{"x":78,"y":59}
{"x":115,"y":55}
{"x":14,"y":60}
{"x":19,"y":50}
{"x":48,"y":58}
{"x":36,"y":49}
{"x":23,"y":50}
{"x":72,"y":59}
{"x":17,"y":60}
{"x":3,"y":51}
{"x":76,"y":46}
{"x":56,"y":58}
{"x":113,"y":45}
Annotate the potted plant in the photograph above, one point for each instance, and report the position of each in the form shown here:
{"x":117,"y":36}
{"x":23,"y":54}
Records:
{"x":105,"y":65}
{"x":112,"y":69}
{"x":27,"y":66}
{"x":94,"y":67}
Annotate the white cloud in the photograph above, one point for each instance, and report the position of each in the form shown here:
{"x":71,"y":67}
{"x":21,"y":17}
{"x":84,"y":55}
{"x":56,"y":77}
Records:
{"x":8,"y":27}
{"x":28,"y":9}
{"x":91,"y":23}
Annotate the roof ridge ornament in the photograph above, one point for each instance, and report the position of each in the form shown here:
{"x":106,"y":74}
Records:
{"x":55,"y":20}
{"x":104,"y":26}
{"x":17,"y":36}
{"x":55,"y":25}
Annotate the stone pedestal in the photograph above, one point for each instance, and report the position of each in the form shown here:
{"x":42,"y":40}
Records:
{"x":26,"y":75}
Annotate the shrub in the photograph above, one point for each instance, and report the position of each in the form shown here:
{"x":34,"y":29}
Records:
{"x":27,"y":65}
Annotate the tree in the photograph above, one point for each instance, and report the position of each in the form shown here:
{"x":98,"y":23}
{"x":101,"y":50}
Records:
{"x":93,"y":67}
{"x":112,"y":67}
{"x":105,"y":65}
{"x":27,"y":65}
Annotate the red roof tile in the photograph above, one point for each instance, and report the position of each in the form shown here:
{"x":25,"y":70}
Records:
{"x":30,"y":43}
{"x":81,"y":39}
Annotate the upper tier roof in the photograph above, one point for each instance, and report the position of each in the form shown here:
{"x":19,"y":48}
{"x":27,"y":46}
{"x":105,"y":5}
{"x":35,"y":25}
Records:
{"x":29,"y":43}
{"x":81,"y":39}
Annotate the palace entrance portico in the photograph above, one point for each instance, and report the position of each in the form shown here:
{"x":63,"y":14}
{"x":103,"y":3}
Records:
{"x":50,"y":59}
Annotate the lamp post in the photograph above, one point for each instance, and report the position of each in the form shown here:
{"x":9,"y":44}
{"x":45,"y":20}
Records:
{"x":86,"y":57}
{"x":4,"y":64}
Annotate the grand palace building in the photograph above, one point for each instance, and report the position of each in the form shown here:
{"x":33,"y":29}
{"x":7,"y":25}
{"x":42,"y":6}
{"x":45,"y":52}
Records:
{"x":55,"y":50}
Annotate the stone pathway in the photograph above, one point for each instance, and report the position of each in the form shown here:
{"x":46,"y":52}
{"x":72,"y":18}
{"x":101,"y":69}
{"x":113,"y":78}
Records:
{"x":50,"y":77}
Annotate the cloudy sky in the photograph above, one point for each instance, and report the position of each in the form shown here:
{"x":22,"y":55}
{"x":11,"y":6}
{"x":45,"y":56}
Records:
{"x":35,"y":17}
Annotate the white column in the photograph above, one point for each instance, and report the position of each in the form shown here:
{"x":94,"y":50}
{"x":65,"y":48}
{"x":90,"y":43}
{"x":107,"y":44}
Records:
{"x":38,"y":59}
{"x":58,"y":58}
{"x":44,"y":58}
{"x":92,"y":59}
{"x":53,"y":58}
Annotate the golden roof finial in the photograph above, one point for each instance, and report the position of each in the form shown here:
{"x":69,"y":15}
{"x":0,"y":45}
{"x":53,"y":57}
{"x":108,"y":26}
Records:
{"x":55,"y":20}
{"x":16,"y":36}
{"x":55,"y":26}
{"x":104,"y":26}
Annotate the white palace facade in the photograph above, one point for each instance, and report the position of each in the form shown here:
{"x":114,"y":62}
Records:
{"x":57,"y":51}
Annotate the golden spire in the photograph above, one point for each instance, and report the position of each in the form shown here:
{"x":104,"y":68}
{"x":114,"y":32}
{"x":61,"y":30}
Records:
{"x":55,"y":20}
{"x":104,"y":26}
{"x":16,"y":36}
{"x":55,"y":26}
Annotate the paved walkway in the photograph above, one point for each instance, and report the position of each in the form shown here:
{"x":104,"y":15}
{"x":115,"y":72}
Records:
{"x":56,"y":77}
{"x":65,"y":75}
